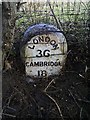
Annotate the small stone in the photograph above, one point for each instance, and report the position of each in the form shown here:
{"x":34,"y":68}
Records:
{"x":34,"y":85}
{"x":62,"y":98}
{"x":41,"y":108}
{"x":29,"y":80}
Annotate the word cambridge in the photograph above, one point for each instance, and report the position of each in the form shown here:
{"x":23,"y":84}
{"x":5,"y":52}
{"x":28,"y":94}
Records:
{"x":41,"y":64}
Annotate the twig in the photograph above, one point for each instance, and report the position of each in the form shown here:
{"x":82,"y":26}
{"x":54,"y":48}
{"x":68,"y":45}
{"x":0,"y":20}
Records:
{"x":81,"y":113}
{"x":9,"y":115}
{"x":30,"y":97}
{"x":21,"y":94}
{"x":57,"y":21}
{"x":11,"y":45}
{"x":68,"y":52}
{"x":56,"y":106}
{"x":69,"y":112}
{"x":49,"y":85}
{"x":11,"y":108}
{"x":10,"y":98}
{"x":76,"y":102}
{"x":81,"y":76}
{"x":86,"y":101}
{"x":78,"y":83}
{"x":74,"y":98}
{"x":76,"y":73}
{"x":0,"y":117}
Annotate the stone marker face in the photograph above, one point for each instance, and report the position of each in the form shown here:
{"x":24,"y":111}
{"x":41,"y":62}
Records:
{"x":45,"y":55}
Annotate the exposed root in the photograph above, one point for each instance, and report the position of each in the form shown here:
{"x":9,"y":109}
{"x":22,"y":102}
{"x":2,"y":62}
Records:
{"x":81,"y":113}
{"x":9,"y":115}
{"x":49,"y":85}
{"x":59,"y":110}
{"x":74,"y":98}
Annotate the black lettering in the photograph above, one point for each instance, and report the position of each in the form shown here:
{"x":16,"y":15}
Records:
{"x":31,"y":47}
{"x":41,"y":64}
{"x":31,"y":64}
{"x":45,"y":63}
{"x":41,"y":39}
{"x":47,"y":39}
{"x":55,"y":63}
{"x":52,"y":42}
{"x":55,"y":46}
{"x":39,"y":54}
{"x":42,"y":73}
{"x":59,"y":63}
{"x":39,"y":73}
{"x":51,"y":63}
{"x":36,"y":63}
{"x":27,"y":64}
{"x":35,"y":41}
{"x":46,"y":53}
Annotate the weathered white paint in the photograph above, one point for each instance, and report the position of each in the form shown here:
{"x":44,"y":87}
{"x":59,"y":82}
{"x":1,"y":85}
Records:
{"x":45,"y":62}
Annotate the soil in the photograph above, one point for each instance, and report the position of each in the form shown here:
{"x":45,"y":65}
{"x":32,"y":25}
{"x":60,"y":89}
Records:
{"x":64,"y":97}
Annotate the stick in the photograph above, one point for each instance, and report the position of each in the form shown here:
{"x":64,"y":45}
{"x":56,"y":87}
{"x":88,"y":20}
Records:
{"x":78,"y":104}
{"x":81,"y":113}
{"x":9,"y":115}
{"x":49,"y":85}
{"x":86,"y":101}
{"x":56,"y":106}
{"x":74,"y":98}
{"x":58,"y":23}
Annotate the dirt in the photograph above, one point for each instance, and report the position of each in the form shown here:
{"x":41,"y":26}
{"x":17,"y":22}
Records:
{"x":63,"y":97}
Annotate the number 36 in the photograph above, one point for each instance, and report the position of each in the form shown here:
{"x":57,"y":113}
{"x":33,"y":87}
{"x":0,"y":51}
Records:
{"x":45,"y":53}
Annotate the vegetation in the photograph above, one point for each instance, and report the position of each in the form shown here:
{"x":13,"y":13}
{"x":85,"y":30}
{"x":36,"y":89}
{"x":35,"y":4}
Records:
{"x":65,"y":96}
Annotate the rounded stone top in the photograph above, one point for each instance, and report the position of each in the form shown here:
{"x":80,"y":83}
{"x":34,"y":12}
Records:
{"x":43,"y":50}
{"x":38,"y":29}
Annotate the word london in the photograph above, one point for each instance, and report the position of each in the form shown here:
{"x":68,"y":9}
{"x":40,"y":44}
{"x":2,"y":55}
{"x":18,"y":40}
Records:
{"x":41,"y":63}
